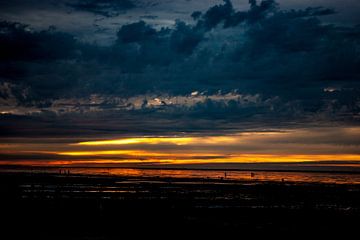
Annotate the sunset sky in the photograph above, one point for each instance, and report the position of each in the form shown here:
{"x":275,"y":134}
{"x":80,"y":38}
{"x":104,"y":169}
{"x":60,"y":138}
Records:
{"x":179,"y":82}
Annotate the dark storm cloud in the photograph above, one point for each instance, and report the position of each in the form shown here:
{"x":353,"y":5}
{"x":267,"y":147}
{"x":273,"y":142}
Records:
{"x":136,"y":32}
{"x":183,"y":38}
{"x":298,"y":66}
{"x":107,"y":8}
{"x":19,"y":43}
{"x":37,"y":59}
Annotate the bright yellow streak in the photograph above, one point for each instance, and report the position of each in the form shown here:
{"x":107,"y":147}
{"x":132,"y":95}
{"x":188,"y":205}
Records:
{"x":132,"y":153}
{"x":163,"y":140}
{"x":95,"y":153}
{"x":142,"y":140}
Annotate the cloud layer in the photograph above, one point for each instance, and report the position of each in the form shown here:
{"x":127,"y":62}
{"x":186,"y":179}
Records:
{"x":236,"y":65}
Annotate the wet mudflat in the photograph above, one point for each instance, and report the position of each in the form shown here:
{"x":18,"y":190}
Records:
{"x":78,"y":206}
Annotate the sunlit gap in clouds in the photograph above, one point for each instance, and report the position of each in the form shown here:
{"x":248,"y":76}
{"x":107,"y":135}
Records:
{"x":278,"y":146}
{"x":162,"y":140}
{"x":247,"y":147}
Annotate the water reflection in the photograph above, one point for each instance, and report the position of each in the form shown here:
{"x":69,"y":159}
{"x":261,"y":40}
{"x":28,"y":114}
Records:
{"x":309,"y":177}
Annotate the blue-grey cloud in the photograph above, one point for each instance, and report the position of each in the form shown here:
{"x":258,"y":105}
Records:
{"x":107,"y":8}
{"x":19,"y":43}
{"x":298,"y":67}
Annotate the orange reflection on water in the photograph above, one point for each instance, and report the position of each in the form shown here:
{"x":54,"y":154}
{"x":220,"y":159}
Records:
{"x":199,"y":175}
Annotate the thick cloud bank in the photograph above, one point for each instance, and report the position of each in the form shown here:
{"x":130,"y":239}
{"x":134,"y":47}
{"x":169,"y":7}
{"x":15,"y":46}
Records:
{"x":289,"y":61}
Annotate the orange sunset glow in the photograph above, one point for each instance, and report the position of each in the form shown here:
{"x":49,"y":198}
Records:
{"x":282,"y":146}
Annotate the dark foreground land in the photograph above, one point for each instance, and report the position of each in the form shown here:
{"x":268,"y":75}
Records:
{"x":51,"y":206}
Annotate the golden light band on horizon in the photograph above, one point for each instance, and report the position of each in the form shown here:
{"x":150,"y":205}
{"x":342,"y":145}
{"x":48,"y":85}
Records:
{"x":134,"y":153}
{"x":139,"y":140}
{"x":162,"y":140}
{"x":174,"y":156}
{"x":283,"y":145}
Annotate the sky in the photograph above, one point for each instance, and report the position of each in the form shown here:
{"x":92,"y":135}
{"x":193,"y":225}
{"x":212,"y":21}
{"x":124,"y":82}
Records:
{"x":165,"y":82}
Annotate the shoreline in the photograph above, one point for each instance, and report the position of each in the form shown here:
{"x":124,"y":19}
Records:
{"x":170,"y":179}
{"x":108,"y":206}
{"x":26,"y":167}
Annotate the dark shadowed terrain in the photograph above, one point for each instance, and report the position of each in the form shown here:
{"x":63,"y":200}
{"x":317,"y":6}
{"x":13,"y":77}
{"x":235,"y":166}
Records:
{"x":54,"y":206}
